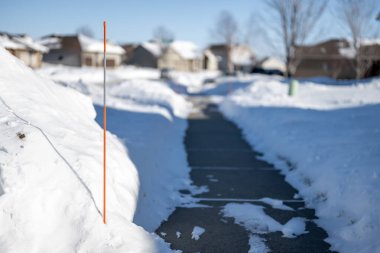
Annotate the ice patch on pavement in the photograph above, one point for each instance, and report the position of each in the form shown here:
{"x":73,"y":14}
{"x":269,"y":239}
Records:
{"x":277,"y":204}
{"x":257,"y":245}
{"x":255,"y":220}
{"x":197,"y":232}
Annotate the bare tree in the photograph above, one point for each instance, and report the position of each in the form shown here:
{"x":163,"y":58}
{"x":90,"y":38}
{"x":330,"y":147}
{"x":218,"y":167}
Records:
{"x":163,"y":35}
{"x":293,"y":21}
{"x":358,"y":17}
{"x":226,"y":31}
{"x":85,"y":30}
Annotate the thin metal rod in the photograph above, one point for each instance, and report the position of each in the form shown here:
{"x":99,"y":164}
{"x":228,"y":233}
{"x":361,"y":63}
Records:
{"x":104,"y":129}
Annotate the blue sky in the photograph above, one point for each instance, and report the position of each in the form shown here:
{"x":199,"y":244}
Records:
{"x":128,"y":21}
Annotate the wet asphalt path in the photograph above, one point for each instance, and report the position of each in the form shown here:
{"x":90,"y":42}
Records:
{"x":223,"y":161}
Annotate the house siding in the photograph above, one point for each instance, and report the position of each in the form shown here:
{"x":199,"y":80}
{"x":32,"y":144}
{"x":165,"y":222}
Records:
{"x":142,"y":58}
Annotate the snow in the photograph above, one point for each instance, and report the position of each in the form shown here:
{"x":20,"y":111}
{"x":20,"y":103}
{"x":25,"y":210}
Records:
{"x":294,"y":227}
{"x":273,"y":63}
{"x":277,"y":204}
{"x":325,"y":141}
{"x":257,"y":245}
{"x":256,"y":221}
{"x":29,"y":43}
{"x":7,"y":43}
{"x":241,"y":55}
{"x":50,"y":42}
{"x":186,"y":49}
{"x":197,"y":232}
{"x":149,"y":118}
{"x":96,"y":46}
{"x":153,"y":47}
{"x":51,"y":194}
{"x":21,"y":42}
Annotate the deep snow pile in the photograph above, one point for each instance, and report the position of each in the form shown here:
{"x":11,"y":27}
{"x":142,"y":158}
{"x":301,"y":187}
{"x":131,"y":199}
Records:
{"x":51,"y":172}
{"x":149,"y":118}
{"x":326,"y":142}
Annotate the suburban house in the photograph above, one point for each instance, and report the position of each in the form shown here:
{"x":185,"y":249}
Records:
{"x":177,"y":55}
{"x":242,"y":57}
{"x":129,"y":51}
{"x":370,"y":53}
{"x":181,"y":56}
{"x":335,"y":58}
{"x":144,"y":55}
{"x":80,"y":50}
{"x":24,"y":48}
{"x":210,"y":60}
{"x":271,"y":63}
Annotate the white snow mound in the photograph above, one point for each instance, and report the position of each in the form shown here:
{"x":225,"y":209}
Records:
{"x":51,"y":172}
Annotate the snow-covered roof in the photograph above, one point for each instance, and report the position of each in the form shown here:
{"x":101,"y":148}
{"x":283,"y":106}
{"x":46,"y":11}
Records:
{"x":186,"y":49}
{"x":50,"y":42}
{"x":273,"y":63}
{"x":241,"y":55}
{"x":8,"y":43}
{"x":21,"y":42}
{"x":28,"y":41}
{"x":370,"y":42}
{"x":153,"y":47}
{"x":349,"y":50}
{"x":96,"y":46}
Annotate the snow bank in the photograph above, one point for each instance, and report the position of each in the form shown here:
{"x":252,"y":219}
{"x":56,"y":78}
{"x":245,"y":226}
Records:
{"x":149,"y":92}
{"x":51,"y":172}
{"x":326,"y":142}
{"x":93,"y":75}
{"x":149,"y":118}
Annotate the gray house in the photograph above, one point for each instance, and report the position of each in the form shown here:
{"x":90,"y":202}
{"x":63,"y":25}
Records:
{"x":80,"y":50}
{"x":145,"y":55}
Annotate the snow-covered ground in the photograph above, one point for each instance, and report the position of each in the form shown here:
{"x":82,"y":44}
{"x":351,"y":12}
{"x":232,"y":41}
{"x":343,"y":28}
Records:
{"x":51,"y":172}
{"x":150,"y":119}
{"x":256,"y":221}
{"x":326,"y":142}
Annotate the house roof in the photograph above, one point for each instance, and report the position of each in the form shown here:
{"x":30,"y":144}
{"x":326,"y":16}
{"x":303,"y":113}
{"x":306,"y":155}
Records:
{"x":242,"y":55}
{"x":153,"y":47}
{"x":334,"y":47}
{"x":87,"y":44}
{"x":186,"y":49}
{"x":96,"y":46}
{"x":20,"y":42}
{"x":50,"y":42}
{"x":272,"y":63}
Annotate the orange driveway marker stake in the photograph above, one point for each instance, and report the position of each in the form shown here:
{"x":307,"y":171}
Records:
{"x":104,"y":127}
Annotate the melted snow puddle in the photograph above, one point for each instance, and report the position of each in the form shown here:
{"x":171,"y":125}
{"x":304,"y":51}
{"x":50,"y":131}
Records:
{"x":256,"y":221}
